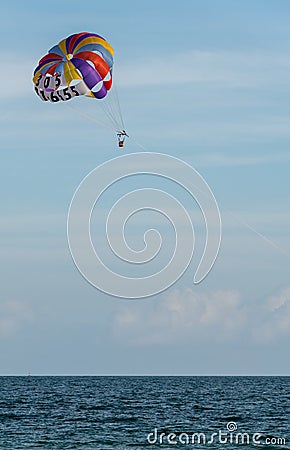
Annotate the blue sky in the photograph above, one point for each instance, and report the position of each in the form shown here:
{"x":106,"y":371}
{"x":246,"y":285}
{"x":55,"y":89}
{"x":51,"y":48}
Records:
{"x":207,"y":82}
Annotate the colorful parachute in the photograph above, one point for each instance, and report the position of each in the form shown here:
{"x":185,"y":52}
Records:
{"x":79,"y":65}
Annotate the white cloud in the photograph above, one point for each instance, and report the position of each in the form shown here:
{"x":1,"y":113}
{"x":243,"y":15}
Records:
{"x":185,"y":316}
{"x":232,"y":69}
{"x":276,"y":322}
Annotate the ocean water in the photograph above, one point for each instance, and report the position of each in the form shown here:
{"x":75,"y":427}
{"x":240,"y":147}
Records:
{"x":144,"y":412}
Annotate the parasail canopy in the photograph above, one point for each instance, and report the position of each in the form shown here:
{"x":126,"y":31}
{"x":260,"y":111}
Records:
{"x":81,"y":64}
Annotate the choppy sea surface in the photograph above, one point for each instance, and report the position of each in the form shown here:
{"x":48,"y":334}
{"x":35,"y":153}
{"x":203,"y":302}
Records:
{"x":144,"y":412}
